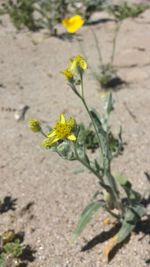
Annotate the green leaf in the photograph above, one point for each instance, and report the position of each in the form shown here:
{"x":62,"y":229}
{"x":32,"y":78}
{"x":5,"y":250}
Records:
{"x":132,"y":195}
{"x":80,"y":149}
{"x":131,"y":218}
{"x":116,"y":145}
{"x":146,"y":192}
{"x":136,"y":213}
{"x":2,"y":260}
{"x":128,"y":224}
{"x":122,"y":180}
{"x":108,"y":103}
{"x":98,"y":122}
{"x":124,"y":231}
{"x":65,"y":150}
{"x":87,"y":215}
{"x":14,"y":248}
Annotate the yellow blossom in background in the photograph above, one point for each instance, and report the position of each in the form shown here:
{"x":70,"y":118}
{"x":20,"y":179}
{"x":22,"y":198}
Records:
{"x":77,"y":62}
{"x":73,"y":24}
{"x":34,"y":125}
{"x":62,"y":130}
{"x":68,"y":73}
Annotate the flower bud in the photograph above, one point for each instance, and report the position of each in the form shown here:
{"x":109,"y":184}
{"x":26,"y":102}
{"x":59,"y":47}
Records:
{"x":34,"y":125}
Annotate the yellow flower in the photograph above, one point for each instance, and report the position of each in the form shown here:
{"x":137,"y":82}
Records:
{"x":34,"y":125}
{"x":68,"y":73}
{"x":73,"y":24}
{"x":62,"y":130}
{"x":77,"y":62}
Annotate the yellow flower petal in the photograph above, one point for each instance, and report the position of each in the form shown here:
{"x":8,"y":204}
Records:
{"x":62,"y":119}
{"x":73,"y":24}
{"x":83,"y":64}
{"x":68,"y":73}
{"x":65,"y":22}
{"x":77,"y":62}
{"x":48,"y":142}
{"x":71,"y":122}
{"x":71,"y":137}
{"x":62,"y":130}
{"x":51,"y":134}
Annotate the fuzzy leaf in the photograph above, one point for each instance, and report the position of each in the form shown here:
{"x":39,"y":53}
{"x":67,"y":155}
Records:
{"x":98,"y":123}
{"x":87,"y":215}
{"x":128,"y":224}
{"x":135,"y":213}
{"x":123,"y":233}
{"x":108,"y":103}
{"x":66,"y":150}
{"x":122,"y":180}
{"x":87,"y":137}
{"x":127,"y":186}
{"x":131,"y":217}
{"x":80,"y":149}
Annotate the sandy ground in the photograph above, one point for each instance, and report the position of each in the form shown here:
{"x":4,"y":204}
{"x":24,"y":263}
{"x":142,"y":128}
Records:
{"x":30,"y":66}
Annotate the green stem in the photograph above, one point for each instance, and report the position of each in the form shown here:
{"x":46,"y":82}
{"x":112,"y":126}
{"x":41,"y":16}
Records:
{"x":94,"y":125}
{"x":90,"y":169}
{"x":87,"y":109}
{"x":106,"y":161}
{"x":97,"y":47}
{"x":81,"y":85}
{"x":99,"y":177}
{"x":41,"y":131}
{"x":114,"y":43}
{"x":106,"y":167}
{"x":109,"y":185}
{"x":113,"y":214}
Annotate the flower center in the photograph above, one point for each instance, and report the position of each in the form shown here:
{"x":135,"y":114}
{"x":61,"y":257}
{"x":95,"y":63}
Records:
{"x":62,"y":130}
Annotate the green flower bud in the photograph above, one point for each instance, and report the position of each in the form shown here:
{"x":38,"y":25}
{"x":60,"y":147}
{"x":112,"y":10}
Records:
{"x":34,"y":125}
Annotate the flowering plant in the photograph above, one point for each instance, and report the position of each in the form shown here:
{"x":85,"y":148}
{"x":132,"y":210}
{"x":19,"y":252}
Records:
{"x":72,"y":24}
{"x":67,"y":138}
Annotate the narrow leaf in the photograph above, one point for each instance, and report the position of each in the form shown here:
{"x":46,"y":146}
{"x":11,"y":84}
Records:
{"x":132,"y":195}
{"x":108,"y":103}
{"x":96,"y":118}
{"x":86,"y":216}
{"x":128,"y":224}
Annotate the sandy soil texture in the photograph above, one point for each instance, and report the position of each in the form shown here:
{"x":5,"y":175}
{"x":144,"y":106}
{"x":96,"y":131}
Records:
{"x":49,"y":195}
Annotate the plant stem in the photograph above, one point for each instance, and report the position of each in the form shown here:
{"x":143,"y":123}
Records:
{"x":93,"y":123}
{"x":90,"y":169}
{"x":104,"y":150}
{"x":99,"y":177}
{"x":114,"y":43}
{"x":97,"y":47}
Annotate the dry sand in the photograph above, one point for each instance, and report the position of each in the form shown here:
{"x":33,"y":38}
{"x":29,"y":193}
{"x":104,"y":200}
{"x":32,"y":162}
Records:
{"x":30,"y":66}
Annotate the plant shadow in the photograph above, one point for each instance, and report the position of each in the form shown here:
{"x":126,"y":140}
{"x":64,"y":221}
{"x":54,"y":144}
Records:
{"x":147,"y":262}
{"x":102,"y":237}
{"x":142,"y":226}
{"x":98,"y":21}
{"x":115,"y":84}
{"x":27,"y":253}
{"x":7,"y":204}
{"x":65,"y":36}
